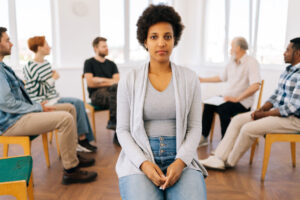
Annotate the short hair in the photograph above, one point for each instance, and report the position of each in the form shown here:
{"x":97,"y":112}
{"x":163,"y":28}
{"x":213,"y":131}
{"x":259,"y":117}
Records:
{"x":241,"y":42}
{"x":97,"y":40}
{"x":296,"y":43}
{"x":35,"y":42}
{"x":155,"y":14}
{"x":2,"y":30}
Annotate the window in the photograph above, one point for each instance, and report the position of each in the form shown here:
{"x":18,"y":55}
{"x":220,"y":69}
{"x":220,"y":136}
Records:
{"x":266,"y":39}
{"x":112,"y":27}
{"x":4,"y":22}
{"x":137,"y":52}
{"x":33,"y":19}
{"x":239,"y":19}
{"x":215,"y":31}
{"x":271,"y":31}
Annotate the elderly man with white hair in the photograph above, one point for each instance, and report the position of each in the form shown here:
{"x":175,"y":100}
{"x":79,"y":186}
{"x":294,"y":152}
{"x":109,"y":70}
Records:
{"x":242,"y":75}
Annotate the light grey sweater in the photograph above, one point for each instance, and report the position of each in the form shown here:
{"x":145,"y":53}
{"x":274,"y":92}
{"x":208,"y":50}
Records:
{"x":130,"y":125}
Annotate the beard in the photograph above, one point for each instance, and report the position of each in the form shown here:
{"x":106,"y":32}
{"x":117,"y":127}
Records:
{"x":101,"y":54}
{"x":5,"y":53}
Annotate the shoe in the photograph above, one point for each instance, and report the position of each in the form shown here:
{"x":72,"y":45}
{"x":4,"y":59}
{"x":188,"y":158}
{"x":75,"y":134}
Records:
{"x":78,"y":176}
{"x":85,"y":162}
{"x":80,"y":148}
{"x":85,"y":143}
{"x":203,"y":141}
{"x":213,"y":162}
{"x":111,"y":125}
{"x":228,"y":166}
{"x":115,"y":140}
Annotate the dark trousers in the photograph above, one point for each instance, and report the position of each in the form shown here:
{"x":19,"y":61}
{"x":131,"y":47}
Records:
{"x":226,"y":111}
{"x":106,"y":98}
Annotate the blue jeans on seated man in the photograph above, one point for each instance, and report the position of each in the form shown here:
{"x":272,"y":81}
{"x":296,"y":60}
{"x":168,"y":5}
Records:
{"x":83,"y":123}
{"x":190,"y":186}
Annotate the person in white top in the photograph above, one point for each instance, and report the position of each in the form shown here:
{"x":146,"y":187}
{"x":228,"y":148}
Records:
{"x":243,"y":78}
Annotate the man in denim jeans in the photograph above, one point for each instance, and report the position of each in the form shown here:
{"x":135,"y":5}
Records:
{"x":19,"y":116}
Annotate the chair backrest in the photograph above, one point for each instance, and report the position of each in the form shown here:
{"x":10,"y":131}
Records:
{"x":83,"y":89}
{"x":260,"y":94}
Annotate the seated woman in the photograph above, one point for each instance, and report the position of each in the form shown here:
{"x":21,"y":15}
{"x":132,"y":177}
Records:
{"x":40,"y":85}
{"x":159,"y":118}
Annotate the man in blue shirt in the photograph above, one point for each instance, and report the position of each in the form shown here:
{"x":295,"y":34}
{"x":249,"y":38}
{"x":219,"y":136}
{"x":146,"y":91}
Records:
{"x":19,"y":116}
{"x":280,"y":114}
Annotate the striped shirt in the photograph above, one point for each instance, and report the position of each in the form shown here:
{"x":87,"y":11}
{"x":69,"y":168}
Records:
{"x":39,"y":82}
{"x":287,"y":95}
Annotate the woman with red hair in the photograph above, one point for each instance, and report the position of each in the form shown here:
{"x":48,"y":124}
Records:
{"x":40,"y":85}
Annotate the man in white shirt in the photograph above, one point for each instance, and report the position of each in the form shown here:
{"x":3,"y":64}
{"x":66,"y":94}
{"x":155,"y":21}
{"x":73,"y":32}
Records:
{"x":243,"y":78}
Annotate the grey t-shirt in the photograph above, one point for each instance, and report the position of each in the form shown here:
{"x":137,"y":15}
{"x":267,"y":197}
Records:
{"x":159,"y":111}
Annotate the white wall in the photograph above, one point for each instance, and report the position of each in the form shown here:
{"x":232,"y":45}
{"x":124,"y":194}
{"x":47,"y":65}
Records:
{"x":78,"y":24}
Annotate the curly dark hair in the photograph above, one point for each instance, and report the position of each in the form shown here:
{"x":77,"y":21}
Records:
{"x":155,"y":14}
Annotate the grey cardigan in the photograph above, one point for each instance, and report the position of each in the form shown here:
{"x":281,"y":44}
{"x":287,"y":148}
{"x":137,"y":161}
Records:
{"x":130,"y":125}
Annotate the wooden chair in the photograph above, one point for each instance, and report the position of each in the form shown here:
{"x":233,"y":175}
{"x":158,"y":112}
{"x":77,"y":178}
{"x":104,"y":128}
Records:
{"x":25,"y":142}
{"x":258,"y":106}
{"x":56,"y":139}
{"x":255,"y":143}
{"x":277,"y":137}
{"x":16,"y":177}
{"x":89,"y":106}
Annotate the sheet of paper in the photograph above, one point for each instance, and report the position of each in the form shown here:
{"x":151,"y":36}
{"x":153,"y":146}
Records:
{"x":215,"y":100}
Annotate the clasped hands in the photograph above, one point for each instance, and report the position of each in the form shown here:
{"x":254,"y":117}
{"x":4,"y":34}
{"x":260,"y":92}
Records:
{"x":154,"y":173}
{"x":258,"y":114}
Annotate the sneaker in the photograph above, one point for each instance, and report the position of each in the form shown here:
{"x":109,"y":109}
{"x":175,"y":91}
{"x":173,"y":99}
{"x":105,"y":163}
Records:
{"x":203,"y":141}
{"x":85,"y":143}
{"x":115,"y":140}
{"x":111,"y":125}
{"x":213,"y":162}
{"x":80,"y":148}
{"x":78,"y":176}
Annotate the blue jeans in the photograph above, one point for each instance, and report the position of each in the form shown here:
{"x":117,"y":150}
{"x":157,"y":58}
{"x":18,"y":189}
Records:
{"x":83,"y":124}
{"x":190,"y":186}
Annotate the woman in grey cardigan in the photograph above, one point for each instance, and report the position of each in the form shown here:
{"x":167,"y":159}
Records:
{"x":159,"y":118}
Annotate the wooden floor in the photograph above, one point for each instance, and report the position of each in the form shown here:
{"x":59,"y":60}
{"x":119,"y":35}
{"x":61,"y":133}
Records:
{"x":243,"y":182}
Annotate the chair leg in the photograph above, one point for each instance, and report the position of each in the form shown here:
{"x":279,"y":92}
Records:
{"x":253,"y":151}
{"x":50,"y":137}
{"x":46,"y":151}
{"x":21,"y":191}
{"x":212,"y":128}
{"x":30,"y":188}
{"x":93,"y":123}
{"x":293,"y":153}
{"x":268,"y":145}
{"x":27,"y":147}
{"x":57,"y":143}
{"x":5,"y":150}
